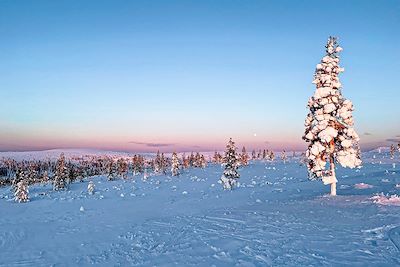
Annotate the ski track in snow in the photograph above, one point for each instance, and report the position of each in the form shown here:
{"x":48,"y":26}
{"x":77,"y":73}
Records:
{"x":275,"y":218}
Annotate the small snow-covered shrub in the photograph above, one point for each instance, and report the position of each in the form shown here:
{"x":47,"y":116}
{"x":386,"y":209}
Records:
{"x":362,"y":186}
{"x":381,"y":199}
{"x":90,"y":188}
{"x":21,"y":192}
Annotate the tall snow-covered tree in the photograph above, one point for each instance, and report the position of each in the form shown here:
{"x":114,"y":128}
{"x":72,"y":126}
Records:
{"x":22,"y":192}
{"x":231,"y":163}
{"x":61,"y":175}
{"x":329,"y":123}
{"x":175,"y":164}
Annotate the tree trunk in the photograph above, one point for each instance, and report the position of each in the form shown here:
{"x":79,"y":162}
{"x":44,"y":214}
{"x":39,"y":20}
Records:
{"x":332,"y":169}
{"x":333,"y":185}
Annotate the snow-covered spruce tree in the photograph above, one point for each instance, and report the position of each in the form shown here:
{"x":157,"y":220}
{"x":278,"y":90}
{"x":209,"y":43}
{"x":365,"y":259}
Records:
{"x":329,"y":123}
{"x":175,"y":164}
{"x":283,"y":156}
{"x":111,"y":170}
{"x":21,"y":192}
{"x":45,"y":177}
{"x":157,"y":163}
{"x":271,"y":156}
{"x":244,"y":157}
{"x":203,"y":162}
{"x":61,"y":174}
{"x":392,"y":150}
{"x":231,"y":163}
{"x":17,"y":177}
{"x":253,"y":154}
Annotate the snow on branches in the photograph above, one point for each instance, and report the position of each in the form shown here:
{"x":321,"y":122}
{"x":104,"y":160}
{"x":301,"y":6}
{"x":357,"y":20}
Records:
{"x":329,"y":123}
{"x":61,"y":175}
{"x":21,"y":192}
{"x":231,"y":164}
{"x":175,"y":164}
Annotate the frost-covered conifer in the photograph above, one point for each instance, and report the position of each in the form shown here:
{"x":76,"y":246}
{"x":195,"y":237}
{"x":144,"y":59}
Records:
{"x":157,"y":163}
{"x":111,"y":170}
{"x":217,"y":158}
{"x":175,"y":164}
{"x":283,"y":156}
{"x":329,"y":123}
{"x":231,"y":163}
{"x":164,"y":164}
{"x":271,"y":155}
{"x":392,"y":151}
{"x":244,"y":157}
{"x":17,"y":177}
{"x":203,"y":162}
{"x":61,"y":175}
{"x":253,"y":154}
{"x":45,"y":177}
{"x":122,"y":168}
{"x":264,"y":154}
{"x":91,"y":188}
{"x":21,"y":192}
{"x":31,"y":174}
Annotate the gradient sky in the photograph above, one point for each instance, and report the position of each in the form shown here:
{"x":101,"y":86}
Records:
{"x":187,"y":75}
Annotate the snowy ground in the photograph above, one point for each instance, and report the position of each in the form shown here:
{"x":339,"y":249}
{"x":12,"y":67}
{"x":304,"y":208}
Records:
{"x":275,"y":218}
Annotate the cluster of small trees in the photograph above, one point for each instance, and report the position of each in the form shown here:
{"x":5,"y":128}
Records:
{"x":264,"y":154}
{"x":61,"y":172}
{"x":194,"y":160}
{"x":393,"y":150}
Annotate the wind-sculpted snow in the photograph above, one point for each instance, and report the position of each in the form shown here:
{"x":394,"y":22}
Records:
{"x":274,"y":217}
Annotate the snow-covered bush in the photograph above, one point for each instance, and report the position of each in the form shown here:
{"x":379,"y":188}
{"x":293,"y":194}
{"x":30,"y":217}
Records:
{"x":21,"y":192}
{"x":393,"y":200}
{"x":329,"y":123}
{"x":362,"y":186}
{"x":231,"y":163}
{"x":91,"y":188}
{"x":175,"y":164}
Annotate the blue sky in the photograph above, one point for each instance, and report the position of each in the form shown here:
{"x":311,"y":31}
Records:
{"x":187,"y":75}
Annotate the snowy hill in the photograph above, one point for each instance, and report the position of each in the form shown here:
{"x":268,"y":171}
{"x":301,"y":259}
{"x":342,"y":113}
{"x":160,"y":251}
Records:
{"x":276,"y":217}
